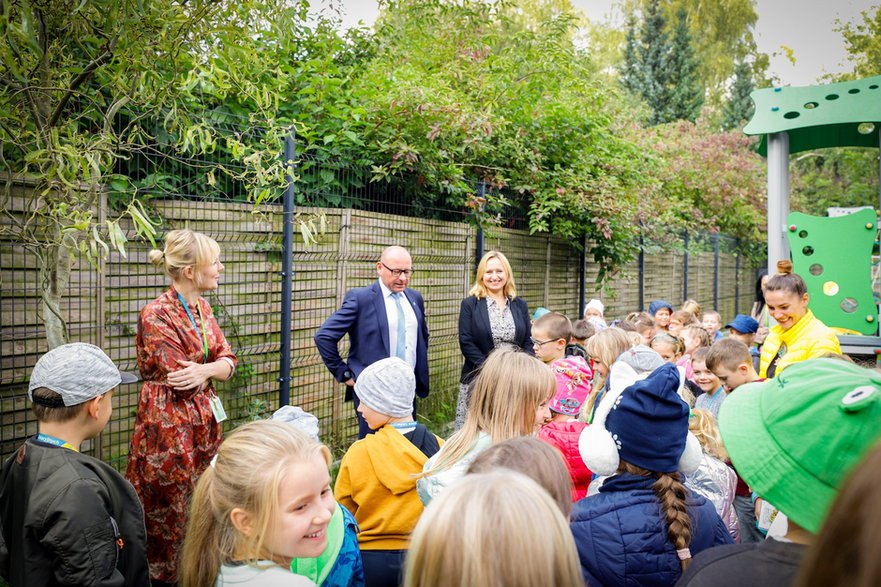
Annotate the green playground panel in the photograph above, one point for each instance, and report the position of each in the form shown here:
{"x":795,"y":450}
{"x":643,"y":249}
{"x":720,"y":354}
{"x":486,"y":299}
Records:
{"x":831,"y":115}
{"x":834,"y":257}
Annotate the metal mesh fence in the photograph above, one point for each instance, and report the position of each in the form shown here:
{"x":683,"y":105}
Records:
{"x":362,"y":217}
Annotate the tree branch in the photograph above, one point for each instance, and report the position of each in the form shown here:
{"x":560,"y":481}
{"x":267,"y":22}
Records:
{"x":81,"y":78}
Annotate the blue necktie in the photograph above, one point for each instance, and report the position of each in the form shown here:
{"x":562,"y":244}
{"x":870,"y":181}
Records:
{"x":401,"y":347}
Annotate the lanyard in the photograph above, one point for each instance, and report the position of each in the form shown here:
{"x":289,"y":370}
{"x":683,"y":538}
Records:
{"x":403,"y":425}
{"x":203,"y":337}
{"x":55,"y":441}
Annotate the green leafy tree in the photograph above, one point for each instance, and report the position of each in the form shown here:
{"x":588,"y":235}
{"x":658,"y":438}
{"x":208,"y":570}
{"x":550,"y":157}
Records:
{"x":739,"y":107}
{"x":722,"y":34}
{"x":715,"y":180}
{"x":86,"y":85}
{"x":826,"y":178}
{"x":515,"y":106}
{"x":863,"y":42}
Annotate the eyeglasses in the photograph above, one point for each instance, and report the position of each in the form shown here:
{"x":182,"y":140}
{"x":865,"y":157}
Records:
{"x":541,"y":342}
{"x":398,"y":272}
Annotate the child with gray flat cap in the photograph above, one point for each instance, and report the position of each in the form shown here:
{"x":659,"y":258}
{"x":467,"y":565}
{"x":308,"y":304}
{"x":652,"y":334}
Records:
{"x":67,"y":518}
{"x":377,"y":478}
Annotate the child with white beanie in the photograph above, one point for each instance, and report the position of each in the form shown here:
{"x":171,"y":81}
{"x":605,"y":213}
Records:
{"x":377,"y":478}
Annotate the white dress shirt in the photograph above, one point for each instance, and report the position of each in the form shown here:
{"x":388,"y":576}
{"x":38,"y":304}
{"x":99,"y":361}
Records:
{"x":391,"y":312}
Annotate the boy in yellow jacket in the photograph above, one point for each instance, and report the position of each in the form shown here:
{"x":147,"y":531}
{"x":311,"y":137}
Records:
{"x":377,"y":478}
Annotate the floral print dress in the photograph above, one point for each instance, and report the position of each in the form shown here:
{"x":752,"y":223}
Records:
{"x":176,"y":434}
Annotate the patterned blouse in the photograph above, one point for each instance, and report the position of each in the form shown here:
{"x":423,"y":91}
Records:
{"x":501,"y":323}
{"x":175,"y":434}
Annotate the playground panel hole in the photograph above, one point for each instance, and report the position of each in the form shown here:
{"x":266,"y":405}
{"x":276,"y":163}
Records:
{"x":866,"y":128}
{"x":807,"y":251}
{"x":849,"y":305}
{"x":816,"y":269}
{"x":832,"y":97}
{"x":802,"y":233}
{"x":792,"y":114}
{"x":830,"y":288}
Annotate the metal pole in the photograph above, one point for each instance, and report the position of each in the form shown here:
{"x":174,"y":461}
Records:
{"x":778,"y":198}
{"x":287,"y":262}
{"x":641,"y":273}
{"x":716,"y":271}
{"x":582,"y":276}
{"x":737,"y":279}
{"x":685,"y":267}
{"x":481,"y":192}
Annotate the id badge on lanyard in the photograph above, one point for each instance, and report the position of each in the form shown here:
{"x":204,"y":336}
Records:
{"x":216,"y":404}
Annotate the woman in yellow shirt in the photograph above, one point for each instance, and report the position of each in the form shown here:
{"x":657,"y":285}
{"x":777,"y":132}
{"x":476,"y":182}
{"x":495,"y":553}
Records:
{"x":798,"y":335}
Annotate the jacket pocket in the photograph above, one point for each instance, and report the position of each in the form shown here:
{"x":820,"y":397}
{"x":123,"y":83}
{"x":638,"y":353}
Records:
{"x":101,"y":542}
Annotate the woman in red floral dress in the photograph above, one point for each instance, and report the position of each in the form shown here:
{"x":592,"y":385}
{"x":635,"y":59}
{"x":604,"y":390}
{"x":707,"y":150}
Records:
{"x":181,"y":350}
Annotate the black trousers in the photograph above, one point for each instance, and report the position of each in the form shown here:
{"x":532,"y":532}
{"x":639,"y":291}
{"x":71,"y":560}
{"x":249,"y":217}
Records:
{"x":383,"y":568}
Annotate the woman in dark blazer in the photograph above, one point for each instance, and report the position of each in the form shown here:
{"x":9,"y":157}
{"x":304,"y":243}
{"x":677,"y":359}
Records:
{"x":491,"y":316}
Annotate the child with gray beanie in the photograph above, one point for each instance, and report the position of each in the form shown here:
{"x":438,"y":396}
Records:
{"x":377,"y":478}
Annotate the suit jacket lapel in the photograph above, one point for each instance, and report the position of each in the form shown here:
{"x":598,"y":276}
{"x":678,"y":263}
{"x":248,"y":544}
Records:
{"x":413,"y":305}
{"x":483,"y":317}
{"x":381,"y":318}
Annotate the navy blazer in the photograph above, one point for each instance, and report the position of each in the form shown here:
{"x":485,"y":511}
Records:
{"x":362,"y":316}
{"x":476,"y":337}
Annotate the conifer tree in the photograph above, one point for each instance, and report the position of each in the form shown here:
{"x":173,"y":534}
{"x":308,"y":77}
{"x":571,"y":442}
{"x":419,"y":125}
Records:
{"x":654,"y":63}
{"x":662,"y":71}
{"x":631,"y":70}
{"x":739,"y":107}
{"x":686,"y":93}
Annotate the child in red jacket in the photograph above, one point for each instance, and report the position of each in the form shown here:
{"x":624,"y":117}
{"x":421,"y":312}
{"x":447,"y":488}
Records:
{"x":574,"y":376}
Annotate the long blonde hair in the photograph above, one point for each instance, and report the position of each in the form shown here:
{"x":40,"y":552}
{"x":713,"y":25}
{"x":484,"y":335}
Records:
{"x":250,"y":466}
{"x":703,"y":425}
{"x":184,"y":248}
{"x":606,"y":345}
{"x":497,"y":528}
{"x":507,"y":391}
{"x":479,"y":289}
{"x":603,"y":347}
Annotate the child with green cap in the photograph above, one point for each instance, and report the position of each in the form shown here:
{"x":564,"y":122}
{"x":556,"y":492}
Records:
{"x":793,"y":439}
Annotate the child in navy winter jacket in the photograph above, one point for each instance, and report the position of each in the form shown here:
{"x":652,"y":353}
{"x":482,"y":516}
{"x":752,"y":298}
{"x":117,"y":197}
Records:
{"x":643,"y":526}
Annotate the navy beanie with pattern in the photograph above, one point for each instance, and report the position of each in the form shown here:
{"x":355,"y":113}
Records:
{"x":649,"y":421}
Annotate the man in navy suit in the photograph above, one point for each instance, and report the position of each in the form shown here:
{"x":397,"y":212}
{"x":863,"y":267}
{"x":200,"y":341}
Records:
{"x":385,"y":319}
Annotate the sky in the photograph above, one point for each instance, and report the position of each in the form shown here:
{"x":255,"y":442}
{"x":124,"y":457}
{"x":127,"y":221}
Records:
{"x":805,"y":26}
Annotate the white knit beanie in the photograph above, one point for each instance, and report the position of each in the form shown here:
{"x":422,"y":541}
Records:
{"x":387,"y":386}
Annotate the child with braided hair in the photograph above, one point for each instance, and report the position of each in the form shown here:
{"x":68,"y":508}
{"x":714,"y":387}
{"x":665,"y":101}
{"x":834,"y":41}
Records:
{"x":644,"y":525}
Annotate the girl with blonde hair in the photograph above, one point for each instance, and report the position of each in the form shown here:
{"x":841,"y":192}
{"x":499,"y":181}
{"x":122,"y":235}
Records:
{"x":603,"y":348}
{"x":265,"y":501}
{"x":713,"y":479}
{"x":510,"y":399}
{"x":497,"y":528}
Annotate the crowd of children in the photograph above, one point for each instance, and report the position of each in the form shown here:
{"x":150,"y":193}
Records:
{"x":620,"y":452}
